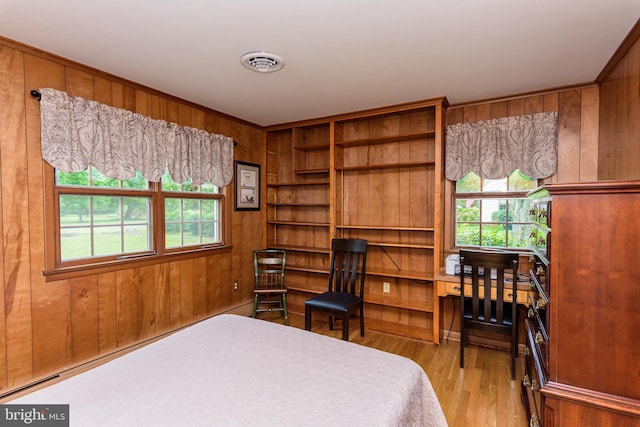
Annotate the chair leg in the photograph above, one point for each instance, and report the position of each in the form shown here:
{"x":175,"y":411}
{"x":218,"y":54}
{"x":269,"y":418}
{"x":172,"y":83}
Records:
{"x":256,"y":302}
{"x":307,"y":318}
{"x":345,"y":328}
{"x":362,"y":321}
{"x":330,"y":322}
{"x":284,"y":307}
{"x":462,"y":347}
{"x":514,"y":354}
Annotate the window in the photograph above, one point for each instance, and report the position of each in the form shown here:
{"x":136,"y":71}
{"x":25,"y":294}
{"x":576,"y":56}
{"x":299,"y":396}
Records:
{"x":493,"y":213}
{"x":191,"y":214}
{"x":103,"y":219}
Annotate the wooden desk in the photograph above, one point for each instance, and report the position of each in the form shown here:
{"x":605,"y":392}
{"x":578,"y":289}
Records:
{"x":450,"y":285}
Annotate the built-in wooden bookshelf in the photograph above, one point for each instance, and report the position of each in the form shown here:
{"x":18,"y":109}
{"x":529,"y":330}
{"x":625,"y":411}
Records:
{"x":374,"y":175}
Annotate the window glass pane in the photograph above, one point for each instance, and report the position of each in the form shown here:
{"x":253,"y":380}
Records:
{"x":209,"y":188}
{"x":471,"y":183}
{"x":519,"y":210}
{"x":172,"y":210}
{"x":467,"y":210}
{"x":490,"y":221}
{"x":96,"y":179}
{"x":191,"y":222}
{"x":494,"y":185}
{"x":103,"y":225}
{"x":99,"y":180}
{"x":209,"y":209}
{"x":521,"y":182}
{"x":494,"y":235}
{"x":73,"y":178}
{"x":75,"y":243}
{"x":209,"y":232}
{"x":468,"y":234}
{"x":169,"y":185}
{"x":192,"y":234}
{"x":137,"y":182}
{"x":173,"y":235}
{"x":135,"y":238}
{"x":167,"y":182}
{"x":494,"y":210}
{"x":107,"y":240}
{"x":519,"y":236}
{"x":188,"y":186}
{"x":74,"y":210}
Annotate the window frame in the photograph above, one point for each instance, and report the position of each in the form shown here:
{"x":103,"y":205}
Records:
{"x":480,"y":195}
{"x":56,"y":269}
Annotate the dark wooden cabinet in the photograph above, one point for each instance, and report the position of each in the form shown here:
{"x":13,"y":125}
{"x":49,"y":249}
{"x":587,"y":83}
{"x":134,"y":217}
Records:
{"x":592,"y":353}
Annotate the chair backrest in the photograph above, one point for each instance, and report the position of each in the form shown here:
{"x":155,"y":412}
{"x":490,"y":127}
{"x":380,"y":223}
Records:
{"x":348,"y":264}
{"x":268,"y":266}
{"x":490,"y":267}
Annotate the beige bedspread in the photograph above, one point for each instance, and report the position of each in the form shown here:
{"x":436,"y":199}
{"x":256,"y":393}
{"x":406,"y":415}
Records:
{"x":237,"y":371}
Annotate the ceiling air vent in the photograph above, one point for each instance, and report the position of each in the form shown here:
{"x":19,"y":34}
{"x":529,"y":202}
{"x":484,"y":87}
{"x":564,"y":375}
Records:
{"x":262,"y":62}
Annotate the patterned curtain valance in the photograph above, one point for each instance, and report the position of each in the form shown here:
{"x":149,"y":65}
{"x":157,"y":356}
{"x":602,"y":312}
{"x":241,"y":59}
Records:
{"x":495,"y":148}
{"x":77,"y":133}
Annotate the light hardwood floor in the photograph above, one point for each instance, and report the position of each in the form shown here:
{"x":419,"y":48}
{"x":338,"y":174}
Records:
{"x":481,"y":394}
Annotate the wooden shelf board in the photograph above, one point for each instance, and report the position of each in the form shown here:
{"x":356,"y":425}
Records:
{"x":302,"y":288}
{"x":314,"y":147}
{"x":310,"y":171}
{"x":386,"y":139}
{"x":382,"y":228}
{"x":386,"y":166}
{"x":306,"y":269}
{"x":300,"y":205}
{"x":296,"y":184}
{"x":400,"y":245}
{"x":294,"y":248}
{"x":299,"y":224}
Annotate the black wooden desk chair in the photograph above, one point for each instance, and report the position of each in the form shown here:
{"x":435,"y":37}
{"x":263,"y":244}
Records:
{"x":483,"y":312}
{"x":346,"y":286}
{"x":269,"y":289}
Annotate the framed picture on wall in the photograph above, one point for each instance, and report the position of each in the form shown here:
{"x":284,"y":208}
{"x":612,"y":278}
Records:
{"x":247,"y":186}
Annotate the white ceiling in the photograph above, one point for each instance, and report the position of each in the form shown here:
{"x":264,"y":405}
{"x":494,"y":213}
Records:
{"x":341,"y":55}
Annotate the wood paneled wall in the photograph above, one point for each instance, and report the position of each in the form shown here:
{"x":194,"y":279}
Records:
{"x":46,"y":327}
{"x":619,"y":154}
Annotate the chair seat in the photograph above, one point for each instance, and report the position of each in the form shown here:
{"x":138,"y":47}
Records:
{"x":334,"y":301}
{"x":507,"y":320}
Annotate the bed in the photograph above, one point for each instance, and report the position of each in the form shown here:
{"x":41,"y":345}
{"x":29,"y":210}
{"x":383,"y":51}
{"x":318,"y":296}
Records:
{"x":233,"y":370}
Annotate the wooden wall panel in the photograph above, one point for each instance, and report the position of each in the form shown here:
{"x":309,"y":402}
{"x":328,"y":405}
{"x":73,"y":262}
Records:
{"x":147,"y":301}
{"x":50,"y":302}
{"x":619,"y":150}
{"x":163,"y":297}
{"x":46,"y":327}
{"x":589,"y":116}
{"x":107,"y":312}
{"x":84,"y":317}
{"x":15,"y":230}
{"x":569,"y":119}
